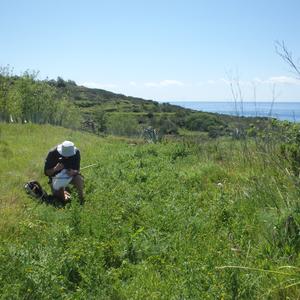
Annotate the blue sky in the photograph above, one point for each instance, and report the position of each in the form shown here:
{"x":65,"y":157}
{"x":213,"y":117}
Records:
{"x":161,"y":50}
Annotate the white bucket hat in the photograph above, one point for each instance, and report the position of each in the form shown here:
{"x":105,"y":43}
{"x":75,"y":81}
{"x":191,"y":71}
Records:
{"x":66,"y":149}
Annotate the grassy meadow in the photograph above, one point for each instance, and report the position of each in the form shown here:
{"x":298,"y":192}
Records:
{"x":215,"y":219}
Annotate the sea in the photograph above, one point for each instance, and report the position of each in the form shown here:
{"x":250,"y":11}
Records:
{"x":289,"y":111}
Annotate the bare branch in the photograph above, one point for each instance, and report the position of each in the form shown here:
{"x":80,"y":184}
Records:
{"x":254,"y":97}
{"x":234,"y":91}
{"x":287,"y":56}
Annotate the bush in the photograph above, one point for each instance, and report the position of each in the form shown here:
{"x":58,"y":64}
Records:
{"x":123,"y":125}
{"x":202,"y":122}
{"x":166,"y":126}
{"x":25,"y":99}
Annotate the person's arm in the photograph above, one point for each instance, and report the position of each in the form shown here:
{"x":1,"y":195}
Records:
{"x":58,"y":167}
{"x":76,"y":166}
{"x":52,"y":165}
{"x":77,"y":162}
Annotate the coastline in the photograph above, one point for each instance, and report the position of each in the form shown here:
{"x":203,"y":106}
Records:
{"x":283,"y":110}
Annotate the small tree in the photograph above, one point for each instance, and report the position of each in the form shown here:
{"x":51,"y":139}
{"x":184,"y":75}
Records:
{"x":5,"y":85}
{"x":60,"y":83}
{"x":123,"y":124}
{"x":100,"y":118}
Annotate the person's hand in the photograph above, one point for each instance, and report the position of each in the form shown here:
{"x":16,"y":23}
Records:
{"x":59,"y":167}
{"x":72,"y":172}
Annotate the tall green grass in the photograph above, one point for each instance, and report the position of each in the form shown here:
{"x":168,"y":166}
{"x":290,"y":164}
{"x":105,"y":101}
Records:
{"x":206,"y":220}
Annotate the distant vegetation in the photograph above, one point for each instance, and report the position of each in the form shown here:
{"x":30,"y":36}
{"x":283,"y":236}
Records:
{"x":59,"y":102}
{"x":24,"y":99}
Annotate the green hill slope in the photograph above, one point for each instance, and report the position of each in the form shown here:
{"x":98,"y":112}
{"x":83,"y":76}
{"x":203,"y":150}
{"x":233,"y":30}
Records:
{"x":25,"y":99}
{"x":125,"y":115}
{"x":211,"y":220}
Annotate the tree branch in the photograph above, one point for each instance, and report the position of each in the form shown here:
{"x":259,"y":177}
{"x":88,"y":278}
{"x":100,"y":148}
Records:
{"x":287,"y":56}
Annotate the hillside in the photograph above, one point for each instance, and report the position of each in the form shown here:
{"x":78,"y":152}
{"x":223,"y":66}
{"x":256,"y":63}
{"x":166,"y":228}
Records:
{"x":111,"y":102}
{"x":59,"y":102}
{"x":212,"y":220}
{"x":165,"y":117}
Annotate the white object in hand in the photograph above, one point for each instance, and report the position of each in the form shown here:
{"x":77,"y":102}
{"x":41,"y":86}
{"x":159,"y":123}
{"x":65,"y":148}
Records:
{"x":61,"y":180}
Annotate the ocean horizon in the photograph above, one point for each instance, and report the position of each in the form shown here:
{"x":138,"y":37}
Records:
{"x":289,"y":111}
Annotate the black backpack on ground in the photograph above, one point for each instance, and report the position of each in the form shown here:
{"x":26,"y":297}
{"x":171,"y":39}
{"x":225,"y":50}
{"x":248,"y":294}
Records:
{"x":34,"y":189}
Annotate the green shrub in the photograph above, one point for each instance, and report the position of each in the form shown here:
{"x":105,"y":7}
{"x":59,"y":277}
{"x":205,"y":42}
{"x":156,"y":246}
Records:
{"x":202,"y":122}
{"x":123,"y":125}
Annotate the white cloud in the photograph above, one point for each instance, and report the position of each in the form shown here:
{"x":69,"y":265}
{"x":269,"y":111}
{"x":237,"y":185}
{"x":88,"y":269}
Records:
{"x":151,"y":84}
{"x":270,"y":80}
{"x":257,"y":80}
{"x":210,"y":81}
{"x":164,"y":83}
{"x":171,"y":82}
{"x":284,"y":80}
{"x":97,"y":85}
{"x":224,"y":80}
{"x":132,"y":83}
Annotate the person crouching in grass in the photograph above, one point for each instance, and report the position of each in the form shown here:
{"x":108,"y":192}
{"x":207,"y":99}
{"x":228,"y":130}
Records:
{"x":62,"y":166}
